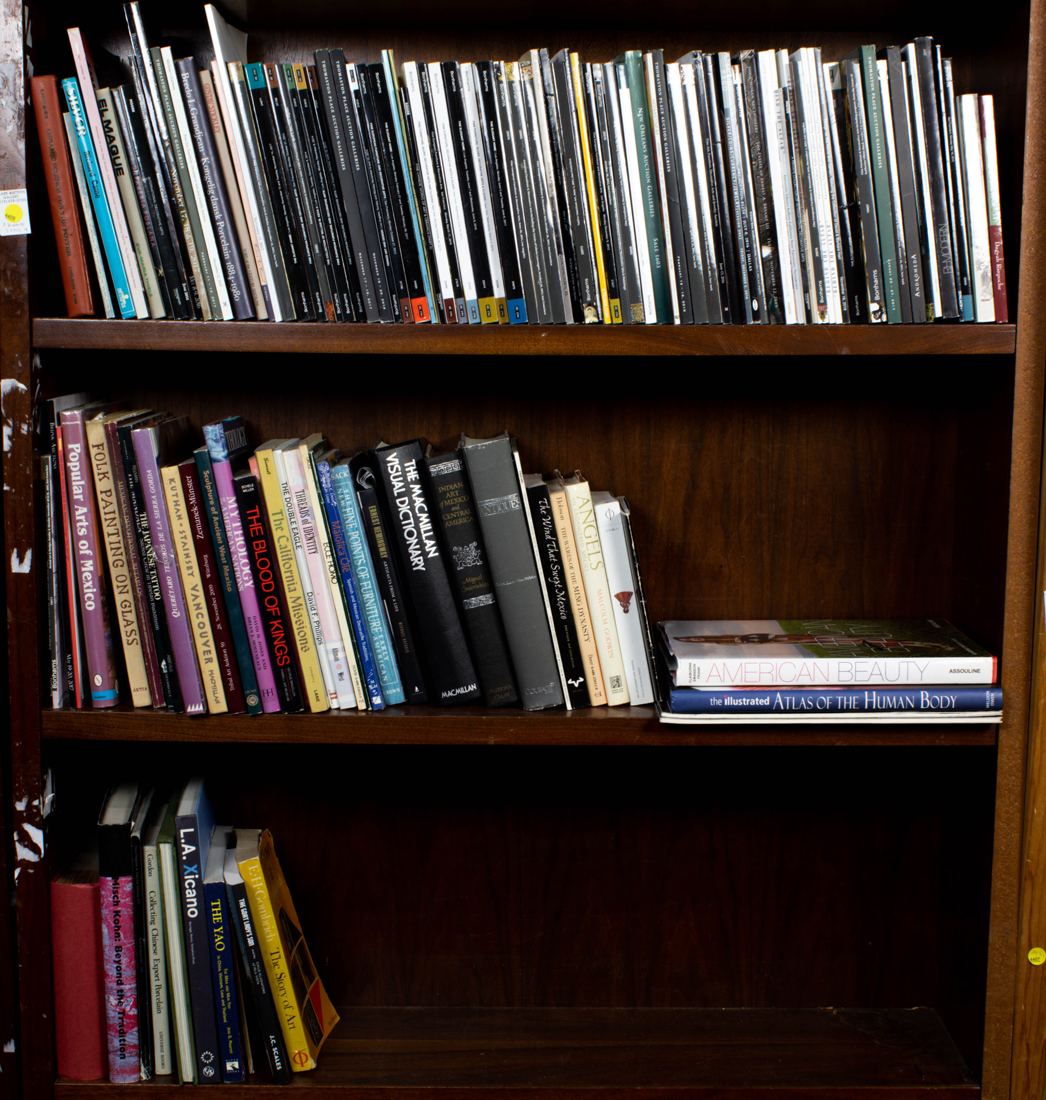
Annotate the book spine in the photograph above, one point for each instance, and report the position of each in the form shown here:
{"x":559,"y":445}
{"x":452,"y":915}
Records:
{"x":55,"y":647}
{"x":257,"y":983}
{"x":893,"y":701}
{"x":178,"y":986}
{"x":99,"y":202}
{"x":470,"y":577}
{"x":223,"y":982}
{"x":240,"y":557}
{"x":89,"y":223}
{"x":347,"y":579}
{"x":212,"y":499}
{"x":62,"y":196}
{"x":991,"y":181}
{"x":210,"y":578}
{"x":553,"y":574}
{"x":155,"y":616}
{"x":832,"y":672}
{"x":312,"y":682}
{"x":90,"y":576}
{"x":155,"y":960}
{"x":79,"y":1003}
{"x":626,"y":128}
{"x":230,"y":259}
{"x":72,"y":601}
{"x":505,"y":527}
{"x":967,"y":110}
{"x":142,"y":980}
{"x":192,"y":586}
{"x":167,"y":569}
{"x":422,"y":562}
{"x":267,"y":930}
{"x":118,"y":962}
{"x":112,"y":534}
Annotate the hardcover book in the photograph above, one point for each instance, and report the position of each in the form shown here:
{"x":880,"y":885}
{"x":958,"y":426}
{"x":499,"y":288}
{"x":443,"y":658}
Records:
{"x":815,"y":652}
{"x":223,"y":958}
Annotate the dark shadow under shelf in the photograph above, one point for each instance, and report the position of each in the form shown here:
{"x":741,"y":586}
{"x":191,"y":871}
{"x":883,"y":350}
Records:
{"x":479,"y":726}
{"x":255,"y":336}
{"x":731,"y":1054}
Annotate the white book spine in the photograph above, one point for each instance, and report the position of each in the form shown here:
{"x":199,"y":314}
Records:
{"x":692,"y":230}
{"x":976,"y":207}
{"x":819,"y":174}
{"x":748,"y":188}
{"x":637,"y":217}
{"x":156,"y":960}
{"x":624,"y":599}
{"x":178,"y":984}
{"x":662,"y":188}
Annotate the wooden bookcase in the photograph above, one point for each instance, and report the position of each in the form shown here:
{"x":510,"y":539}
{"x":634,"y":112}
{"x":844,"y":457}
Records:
{"x":592,"y":902}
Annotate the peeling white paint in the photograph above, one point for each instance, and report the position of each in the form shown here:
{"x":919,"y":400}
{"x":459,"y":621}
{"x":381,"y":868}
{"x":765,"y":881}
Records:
{"x":36,"y":835}
{"x":9,"y":1046}
{"x":21,"y":804}
{"x":7,"y":437}
{"x":11,"y":385}
{"x":21,"y":566}
{"x":18,"y":871}
{"x":24,"y":854}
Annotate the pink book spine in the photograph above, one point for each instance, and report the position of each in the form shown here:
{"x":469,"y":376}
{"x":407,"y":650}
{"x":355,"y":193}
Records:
{"x":241,"y":566}
{"x":90,"y":575}
{"x":121,"y":995}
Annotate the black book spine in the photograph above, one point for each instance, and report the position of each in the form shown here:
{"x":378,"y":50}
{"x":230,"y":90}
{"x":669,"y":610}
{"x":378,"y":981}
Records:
{"x":256,"y":982}
{"x":390,"y":585}
{"x":603,"y":185}
{"x":273,"y":167}
{"x":143,"y":980}
{"x":153,"y":592}
{"x":461,"y":317}
{"x":953,"y":174}
{"x":809,"y":131}
{"x":265,"y":570}
{"x":729,"y":290}
{"x":851,"y":284}
{"x":864,"y":192}
{"x":470,"y":577}
{"x":233,"y":271}
{"x":192,"y":850}
{"x":329,"y":97}
{"x":314,"y":231}
{"x":355,"y":156}
{"x":550,"y":562}
{"x":384,"y":104}
{"x":290,"y":176}
{"x":411,"y":531}
{"x":329,"y":211}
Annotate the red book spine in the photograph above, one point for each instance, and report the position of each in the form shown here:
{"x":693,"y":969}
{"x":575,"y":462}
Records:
{"x":61,"y":192}
{"x":79,"y":1004}
{"x":212,"y":589}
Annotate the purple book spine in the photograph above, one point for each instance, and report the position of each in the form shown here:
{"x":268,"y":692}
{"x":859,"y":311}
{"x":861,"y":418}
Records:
{"x":241,"y":566}
{"x":90,"y":578}
{"x":121,"y":996}
{"x":167,"y":564}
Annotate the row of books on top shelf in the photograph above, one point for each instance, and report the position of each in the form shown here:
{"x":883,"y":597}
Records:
{"x":297,"y":579}
{"x":177,"y":950}
{"x":763,"y":188}
{"x":849,"y":671}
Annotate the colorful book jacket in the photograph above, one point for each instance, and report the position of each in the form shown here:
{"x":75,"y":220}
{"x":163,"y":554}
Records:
{"x":223,"y":959}
{"x":116,"y":887}
{"x":87,"y":562}
{"x":934,"y":699}
{"x":306,"y":1014}
{"x":829,"y":652}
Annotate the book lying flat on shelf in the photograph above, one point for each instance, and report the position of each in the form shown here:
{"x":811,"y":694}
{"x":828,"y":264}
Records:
{"x":816,"y":652}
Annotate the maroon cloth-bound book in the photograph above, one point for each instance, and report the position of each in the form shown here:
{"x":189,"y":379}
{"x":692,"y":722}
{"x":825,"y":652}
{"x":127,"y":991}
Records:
{"x":76,"y":945}
{"x":61,"y":193}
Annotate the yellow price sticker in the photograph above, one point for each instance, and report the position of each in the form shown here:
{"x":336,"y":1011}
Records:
{"x":13,"y":212}
{"x":1036,"y":956}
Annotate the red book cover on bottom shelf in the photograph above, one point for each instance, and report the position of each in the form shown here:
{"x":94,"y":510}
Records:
{"x":76,"y":945}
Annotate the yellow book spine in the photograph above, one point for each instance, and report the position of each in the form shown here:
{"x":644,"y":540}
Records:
{"x":576,"y":587}
{"x":279,"y":978}
{"x":593,"y":206}
{"x":312,"y":685}
{"x":119,"y":567}
{"x":192,"y":583}
{"x":488,"y":311}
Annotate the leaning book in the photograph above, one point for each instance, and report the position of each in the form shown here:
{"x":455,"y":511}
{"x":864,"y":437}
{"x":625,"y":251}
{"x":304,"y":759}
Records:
{"x":822,"y":652}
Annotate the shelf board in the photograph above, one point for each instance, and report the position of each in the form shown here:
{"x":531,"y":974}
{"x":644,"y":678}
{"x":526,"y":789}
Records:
{"x":733,"y":1054}
{"x":482,"y":726}
{"x":254,"y":336}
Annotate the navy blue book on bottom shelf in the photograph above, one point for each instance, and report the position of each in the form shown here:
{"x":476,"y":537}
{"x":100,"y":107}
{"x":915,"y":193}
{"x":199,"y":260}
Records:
{"x":223,"y":958}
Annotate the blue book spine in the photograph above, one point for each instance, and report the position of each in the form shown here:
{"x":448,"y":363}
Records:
{"x":348,"y":580}
{"x":912,"y":700}
{"x":367,"y":583}
{"x":223,"y":979}
{"x":106,"y":229}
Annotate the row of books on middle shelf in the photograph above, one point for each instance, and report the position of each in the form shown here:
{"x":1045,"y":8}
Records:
{"x":178,"y":951}
{"x":297,"y":579}
{"x":809,"y":671}
{"x":766,"y":187}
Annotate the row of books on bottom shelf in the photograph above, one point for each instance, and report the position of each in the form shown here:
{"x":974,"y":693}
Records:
{"x":178,"y":952}
{"x":296,"y":579}
{"x":843,"y":671}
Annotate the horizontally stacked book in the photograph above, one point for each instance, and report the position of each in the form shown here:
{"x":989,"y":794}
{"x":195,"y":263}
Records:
{"x":178,"y":952}
{"x":293,"y":578}
{"x":763,"y":188}
{"x":845,"y":671}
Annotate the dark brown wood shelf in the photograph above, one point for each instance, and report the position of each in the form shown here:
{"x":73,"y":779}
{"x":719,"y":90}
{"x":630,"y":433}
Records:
{"x":733,"y":1054}
{"x":253,"y":336}
{"x":478,"y":726}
